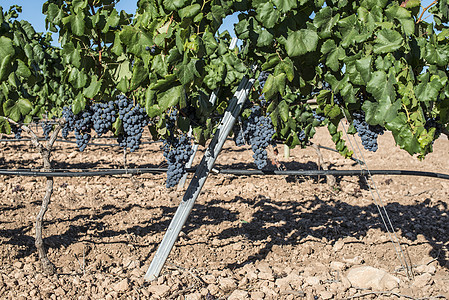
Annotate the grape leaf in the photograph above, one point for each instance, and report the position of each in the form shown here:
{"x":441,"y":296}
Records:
{"x":387,"y":106}
{"x":300,"y":42}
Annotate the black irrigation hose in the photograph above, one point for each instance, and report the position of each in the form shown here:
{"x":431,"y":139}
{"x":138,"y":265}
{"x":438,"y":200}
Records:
{"x":71,"y":142}
{"x":237,"y":172}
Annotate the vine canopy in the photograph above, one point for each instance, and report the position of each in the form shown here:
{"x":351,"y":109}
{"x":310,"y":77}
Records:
{"x":382,"y":58}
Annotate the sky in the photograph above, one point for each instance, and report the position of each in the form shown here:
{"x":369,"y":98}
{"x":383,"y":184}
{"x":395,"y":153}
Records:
{"x":32,"y":12}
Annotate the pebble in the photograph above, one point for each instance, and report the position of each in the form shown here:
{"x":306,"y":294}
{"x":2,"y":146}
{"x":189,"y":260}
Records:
{"x":370,"y":277}
{"x":158,"y":290}
{"x":312,"y":281}
{"x":227,"y":283}
{"x":326,"y":295}
{"x":422,"y":280}
{"x":238,"y":294}
{"x":121,"y":286}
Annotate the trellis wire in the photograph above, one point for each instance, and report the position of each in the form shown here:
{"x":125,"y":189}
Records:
{"x":379,"y":204}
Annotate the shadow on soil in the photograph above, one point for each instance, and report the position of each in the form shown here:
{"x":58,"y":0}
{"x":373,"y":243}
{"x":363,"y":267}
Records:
{"x":280,"y":222}
{"x":334,"y":219}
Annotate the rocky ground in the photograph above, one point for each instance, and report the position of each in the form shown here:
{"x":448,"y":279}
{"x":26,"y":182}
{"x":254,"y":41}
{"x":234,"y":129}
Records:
{"x":248,"y":237}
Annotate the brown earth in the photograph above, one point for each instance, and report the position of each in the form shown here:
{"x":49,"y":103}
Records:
{"x":248,"y":237}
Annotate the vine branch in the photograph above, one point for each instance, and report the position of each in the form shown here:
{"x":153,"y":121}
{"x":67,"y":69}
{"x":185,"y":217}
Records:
{"x":424,"y":10}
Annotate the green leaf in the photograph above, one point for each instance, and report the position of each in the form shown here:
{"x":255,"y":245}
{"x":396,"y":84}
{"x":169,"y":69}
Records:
{"x":79,"y":5}
{"x":16,"y":109}
{"x":4,"y":125}
{"x":170,"y":98}
{"x":77,"y":24}
{"x":334,"y":54}
{"x":6,"y":54}
{"x":428,"y":91}
{"x":135,"y":40}
{"x":274,"y":84}
{"x":77,"y":79}
{"x":79,"y":103}
{"x":173,"y":4}
{"x":300,"y":42}
{"x":164,"y":84}
{"x":94,"y":87}
{"x":403,"y":16}
{"x":437,"y":54}
{"x":387,"y":40}
{"x":140,"y":73}
{"x":285,"y":5}
{"x":267,"y":14}
{"x":325,"y":20}
{"x":189,"y":11}
{"x":186,"y":72}
{"x":387,"y":106}
{"x":22,"y":69}
{"x":363,"y":66}
{"x":265,"y":39}
{"x":71,"y":55}
{"x":286,"y":66}
{"x":283,"y":110}
{"x":403,"y":134}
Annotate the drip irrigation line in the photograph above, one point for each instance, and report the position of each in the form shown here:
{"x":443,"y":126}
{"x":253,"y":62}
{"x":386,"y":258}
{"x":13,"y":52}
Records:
{"x":72,"y":142}
{"x":237,"y":172}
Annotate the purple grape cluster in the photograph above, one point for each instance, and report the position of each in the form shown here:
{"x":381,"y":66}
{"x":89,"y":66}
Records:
{"x":239,"y":138}
{"x":177,"y":151}
{"x":368,"y":133}
{"x":258,"y":132}
{"x":152,"y":49}
{"x":81,"y":124}
{"x":134,"y":120}
{"x":69,"y":117}
{"x":433,"y":123}
{"x":318,"y":117}
{"x":46,"y":127}
{"x":17,"y":130}
{"x":104,"y":116}
{"x":302,"y":135}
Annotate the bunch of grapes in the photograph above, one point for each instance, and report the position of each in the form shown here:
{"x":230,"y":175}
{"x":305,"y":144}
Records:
{"x":83,"y":125}
{"x":80,"y":123}
{"x":134,"y":120}
{"x":433,"y":123}
{"x":257,"y":131}
{"x":152,"y":49}
{"x":319,"y":118}
{"x":104,"y":116}
{"x":177,"y":151}
{"x":17,"y":130}
{"x":69,"y":117}
{"x":367,"y":133}
{"x":46,"y":127}
{"x":302,"y":135}
{"x":239,"y":138}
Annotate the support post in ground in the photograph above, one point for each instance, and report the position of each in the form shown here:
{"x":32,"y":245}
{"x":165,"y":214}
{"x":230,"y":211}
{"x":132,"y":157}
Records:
{"x":198,"y":180}
{"x":212,"y":100}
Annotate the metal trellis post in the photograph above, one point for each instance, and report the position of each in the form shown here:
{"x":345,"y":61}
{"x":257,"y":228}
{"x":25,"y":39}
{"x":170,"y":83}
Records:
{"x":198,"y":180}
{"x":212,"y":100}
